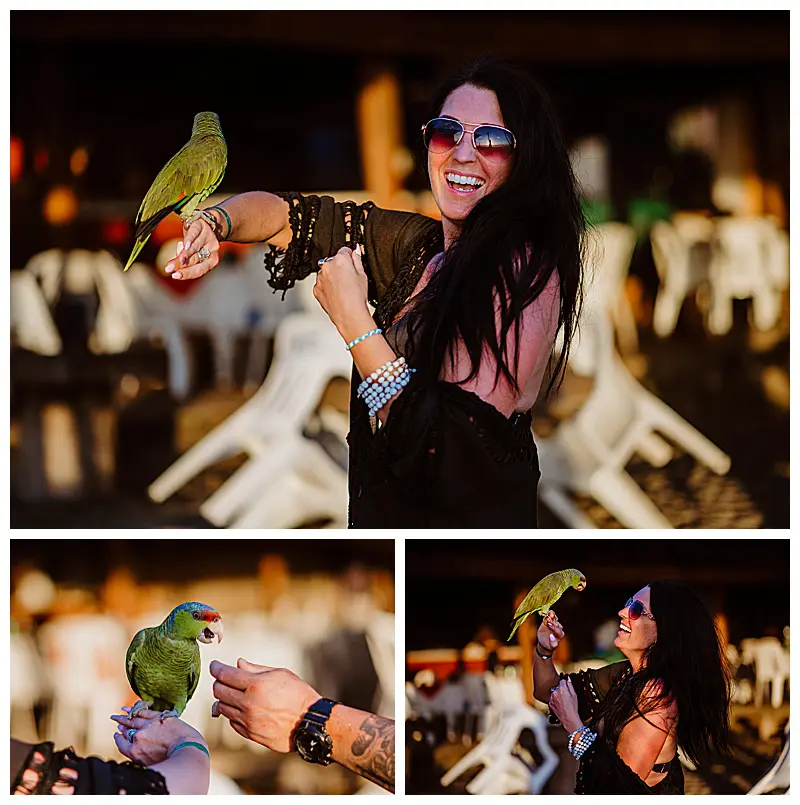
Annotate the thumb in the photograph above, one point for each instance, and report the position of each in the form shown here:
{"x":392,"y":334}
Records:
{"x":358,"y":254}
{"x":253,"y":668}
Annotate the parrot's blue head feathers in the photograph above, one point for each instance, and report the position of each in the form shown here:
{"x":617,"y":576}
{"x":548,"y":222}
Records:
{"x":195,"y":621}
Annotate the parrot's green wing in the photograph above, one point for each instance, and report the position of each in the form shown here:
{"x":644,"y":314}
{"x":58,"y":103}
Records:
{"x":194,"y":677}
{"x":130,"y":659}
{"x":196,"y":170}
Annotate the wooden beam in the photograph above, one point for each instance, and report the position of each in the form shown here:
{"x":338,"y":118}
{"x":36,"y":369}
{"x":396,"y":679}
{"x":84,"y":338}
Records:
{"x":558,"y":37}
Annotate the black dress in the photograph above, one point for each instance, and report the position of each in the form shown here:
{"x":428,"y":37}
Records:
{"x":445,"y":458}
{"x":602,"y":770}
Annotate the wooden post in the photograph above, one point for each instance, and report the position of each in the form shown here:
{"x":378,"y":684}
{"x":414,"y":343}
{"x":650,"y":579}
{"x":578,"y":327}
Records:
{"x":380,"y":132}
{"x":526,"y":634}
{"x":737,"y":186}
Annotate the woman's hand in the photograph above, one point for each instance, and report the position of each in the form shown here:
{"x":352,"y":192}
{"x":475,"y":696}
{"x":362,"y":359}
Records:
{"x":154,"y":739}
{"x":550,"y":633}
{"x":188,"y":264}
{"x":341,"y":290}
{"x":263,"y":704}
{"x":564,"y":704}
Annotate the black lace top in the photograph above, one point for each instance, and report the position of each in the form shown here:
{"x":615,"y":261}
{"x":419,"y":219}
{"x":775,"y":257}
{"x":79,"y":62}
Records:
{"x":445,"y":458}
{"x":91,"y":774}
{"x":602,"y":770}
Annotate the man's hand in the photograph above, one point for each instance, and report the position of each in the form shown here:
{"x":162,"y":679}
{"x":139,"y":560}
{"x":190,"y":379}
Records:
{"x":263,"y":704}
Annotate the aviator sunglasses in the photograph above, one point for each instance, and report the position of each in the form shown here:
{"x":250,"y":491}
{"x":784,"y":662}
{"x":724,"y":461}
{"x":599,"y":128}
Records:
{"x":443,"y":134}
{"x":636,"y":610}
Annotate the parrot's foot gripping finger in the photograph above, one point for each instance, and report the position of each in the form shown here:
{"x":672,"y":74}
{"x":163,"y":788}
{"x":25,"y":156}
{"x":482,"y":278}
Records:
{"x":138,"y":707}
{"x":168,"y":714}
{"x":215,"y":710}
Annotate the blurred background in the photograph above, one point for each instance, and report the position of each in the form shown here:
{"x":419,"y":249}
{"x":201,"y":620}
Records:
{"x":124,"y":387}
{"x":324,"y":609}
{"x":469,"y":693}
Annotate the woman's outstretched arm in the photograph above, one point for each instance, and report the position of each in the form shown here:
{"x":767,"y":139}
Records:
{"x":255,"y":217}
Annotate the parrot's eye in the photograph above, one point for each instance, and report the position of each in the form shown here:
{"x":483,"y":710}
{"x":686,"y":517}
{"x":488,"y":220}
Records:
{"x":196,"y":615}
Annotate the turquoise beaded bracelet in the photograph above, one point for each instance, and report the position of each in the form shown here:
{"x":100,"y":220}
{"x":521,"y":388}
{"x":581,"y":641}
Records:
{"x":361,"y":338}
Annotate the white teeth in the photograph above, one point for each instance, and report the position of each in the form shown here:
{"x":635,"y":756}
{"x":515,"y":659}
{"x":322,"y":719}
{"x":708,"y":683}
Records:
{"x":457,"y":178}
{"x":624,"y":628}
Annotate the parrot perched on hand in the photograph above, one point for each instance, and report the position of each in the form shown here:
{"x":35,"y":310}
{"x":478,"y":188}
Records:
{"x":546,"y":593}
{"x":190,"y":177}
{"x":163,"y":662}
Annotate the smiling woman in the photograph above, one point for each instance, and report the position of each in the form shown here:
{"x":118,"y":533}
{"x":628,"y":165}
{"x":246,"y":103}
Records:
{"x":448,"y":367}
{"x":626,"y":720}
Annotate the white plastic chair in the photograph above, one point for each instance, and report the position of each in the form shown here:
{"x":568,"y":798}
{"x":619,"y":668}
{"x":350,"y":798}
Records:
{"x":777,"y":778}
{"x":588,"y":454}
{"x":380,"y":641}
{"x":746,"y":253}
{"x":269,"y":427}
{"x":47,"y":268}
{"x":770,"y":661}
{"x":680,"y":253}
{"x":503,"y":772}
{"x":31,"y":323}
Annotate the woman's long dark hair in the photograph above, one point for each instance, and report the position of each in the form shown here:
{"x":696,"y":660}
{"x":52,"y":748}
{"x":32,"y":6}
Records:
{"x":688,"y":663}
{"x":511,"y":241}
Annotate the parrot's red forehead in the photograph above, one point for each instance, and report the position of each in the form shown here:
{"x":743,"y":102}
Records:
{"x":209,"y":615}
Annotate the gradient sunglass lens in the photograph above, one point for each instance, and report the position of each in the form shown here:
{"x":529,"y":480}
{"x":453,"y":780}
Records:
{"x":442,"y":135}
{"x":494,"y":142}
{"x":635,"y":609}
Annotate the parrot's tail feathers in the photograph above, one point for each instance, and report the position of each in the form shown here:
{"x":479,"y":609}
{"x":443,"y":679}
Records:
{"x":146,"y":228}
{"x":138,"y":246}
{"x":517,"y":624}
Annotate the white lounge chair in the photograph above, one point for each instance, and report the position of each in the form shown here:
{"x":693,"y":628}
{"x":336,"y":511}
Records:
{"x":504,"y":772}
{"x":269,"y":427}
{"x":588,"y":453}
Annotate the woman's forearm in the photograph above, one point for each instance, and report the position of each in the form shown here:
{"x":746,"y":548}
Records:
{"x":256,"y":216}
{"x":187,"y":771}
{"x":545,"y":678}
{"x":363,"y":743}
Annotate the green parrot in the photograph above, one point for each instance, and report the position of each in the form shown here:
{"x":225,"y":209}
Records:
{"x":546,"y":593}
{"x":163,"y":662}
{"x":190,"y":177}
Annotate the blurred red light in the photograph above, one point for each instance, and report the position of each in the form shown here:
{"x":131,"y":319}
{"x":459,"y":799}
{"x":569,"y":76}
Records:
{"x":17,"y":160}
{"x":41,"y":159}
{"x":116,"y":231}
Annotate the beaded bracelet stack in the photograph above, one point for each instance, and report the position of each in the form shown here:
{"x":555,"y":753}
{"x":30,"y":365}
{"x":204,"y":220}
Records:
{"x":379,"y":387}
{"x":580,"y":740}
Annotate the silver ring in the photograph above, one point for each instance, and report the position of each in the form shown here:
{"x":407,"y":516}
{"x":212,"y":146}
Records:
{"x":130,"y":733}
{"x":323,"y":260}
{"x":204,"y":253}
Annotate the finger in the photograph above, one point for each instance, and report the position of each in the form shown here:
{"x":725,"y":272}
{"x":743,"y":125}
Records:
{"x":231,"y":696}
{"x":124,"y":746}
{"x":234,"y":715}
{"x":230,"y":676}
{"x":253,"y":667}
{"x":192,"y":234}
{"x":345,"y":252}
{"x":196,"y":269}
{"x":237,"y":727}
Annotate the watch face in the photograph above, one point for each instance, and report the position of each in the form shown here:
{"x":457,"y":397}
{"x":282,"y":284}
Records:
{"x":313,"y":745}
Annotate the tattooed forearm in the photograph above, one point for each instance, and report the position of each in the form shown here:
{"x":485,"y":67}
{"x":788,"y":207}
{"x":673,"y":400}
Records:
{"x":373,"y":751}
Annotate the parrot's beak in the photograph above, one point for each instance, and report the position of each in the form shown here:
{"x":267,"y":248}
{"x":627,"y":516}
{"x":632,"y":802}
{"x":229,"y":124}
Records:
{"x":581,"y":585}
{"x":212,"y":631}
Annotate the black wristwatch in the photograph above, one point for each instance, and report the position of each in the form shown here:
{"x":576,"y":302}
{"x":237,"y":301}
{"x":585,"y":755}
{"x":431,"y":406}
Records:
{"x":311,"y":739}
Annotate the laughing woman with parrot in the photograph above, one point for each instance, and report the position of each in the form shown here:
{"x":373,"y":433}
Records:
{"x":449,"y":365}
{"x":625,"y":721}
